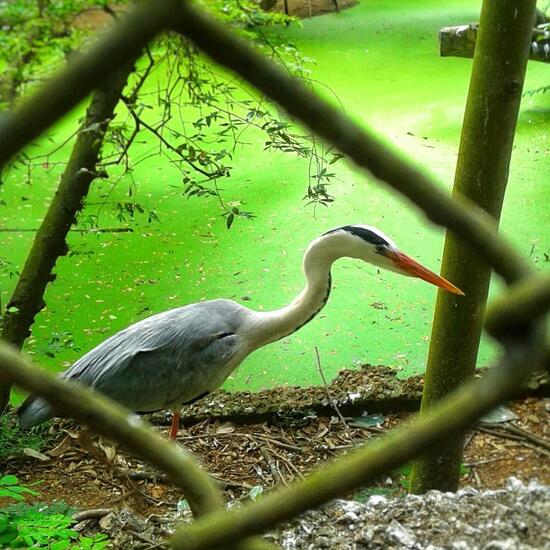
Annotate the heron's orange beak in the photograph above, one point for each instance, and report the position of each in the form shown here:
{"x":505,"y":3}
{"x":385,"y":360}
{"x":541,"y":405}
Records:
{"x":414,"y":269}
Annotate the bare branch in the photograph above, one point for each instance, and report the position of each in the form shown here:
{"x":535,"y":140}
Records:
{"x":125,"y":40}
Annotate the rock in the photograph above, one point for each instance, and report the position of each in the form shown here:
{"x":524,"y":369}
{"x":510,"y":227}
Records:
{"x":400,"y":534}
{"x":512,"y":518}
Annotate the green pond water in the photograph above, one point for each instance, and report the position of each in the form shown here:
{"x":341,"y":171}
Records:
{"x":380,"y":60}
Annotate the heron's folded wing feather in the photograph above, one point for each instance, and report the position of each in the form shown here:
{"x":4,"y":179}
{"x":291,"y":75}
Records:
{"x":177,"y":354}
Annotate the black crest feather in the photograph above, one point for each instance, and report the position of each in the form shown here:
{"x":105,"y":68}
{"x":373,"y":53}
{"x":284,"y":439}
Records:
{"x":363,"y":233}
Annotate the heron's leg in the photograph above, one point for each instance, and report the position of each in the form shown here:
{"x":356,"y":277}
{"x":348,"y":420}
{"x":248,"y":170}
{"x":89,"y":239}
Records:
{"x":176,"y":415}
{"x":175,"y":423}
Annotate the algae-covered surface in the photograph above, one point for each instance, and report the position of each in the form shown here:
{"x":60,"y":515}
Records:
{"x":379,"y":61}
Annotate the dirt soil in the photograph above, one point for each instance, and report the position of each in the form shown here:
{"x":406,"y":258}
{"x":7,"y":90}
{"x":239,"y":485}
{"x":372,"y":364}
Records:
{"x":242,"y":457}
{"x":91,"y":473}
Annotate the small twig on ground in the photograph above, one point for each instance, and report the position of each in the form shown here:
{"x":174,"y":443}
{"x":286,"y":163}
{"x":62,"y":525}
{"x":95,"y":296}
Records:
{"x":375,"y":429}
{"x":275,"y":472}
{"x":535,"y":448}
{"x":476,"y":477}
{"x":290,"y":467}
{"x":228,"y":484}
{"x":246,"y":436}
{"x":151,"y":543}
{"x":122,"y":498}
{"x":486,"y":461}
{"x":514,"y":432}
{"x":157,"y":477}
{"x":281,"y":476}
{"x":514,"y":428}
{"x":468,"y":440}
{"x":137,"y":489}
{"x":275,"y":442}
{"x":142,"y":475}
{"x":96,"y":513}
{"x":499,"y":433}
{"x":331,"y":400}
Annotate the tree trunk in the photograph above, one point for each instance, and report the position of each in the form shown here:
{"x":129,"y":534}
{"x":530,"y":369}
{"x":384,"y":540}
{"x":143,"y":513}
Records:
{"x":50,"y":240}
{"x":481,"y":174}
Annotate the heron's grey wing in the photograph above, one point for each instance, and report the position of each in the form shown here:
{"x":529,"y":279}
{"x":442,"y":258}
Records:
{"x":167,"y":376}
{"x":147,"y":380}
{"x":168,"y":358}
{"x":161,"y":361}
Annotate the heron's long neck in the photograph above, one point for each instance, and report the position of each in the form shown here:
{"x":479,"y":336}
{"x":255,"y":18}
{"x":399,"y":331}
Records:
{"x":273,"y":325}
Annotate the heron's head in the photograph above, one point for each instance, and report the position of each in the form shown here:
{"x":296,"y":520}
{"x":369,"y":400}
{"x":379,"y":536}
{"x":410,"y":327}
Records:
{"x":373,"y":246}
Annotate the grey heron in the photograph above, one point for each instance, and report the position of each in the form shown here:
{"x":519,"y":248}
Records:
{"x":178,"y":356}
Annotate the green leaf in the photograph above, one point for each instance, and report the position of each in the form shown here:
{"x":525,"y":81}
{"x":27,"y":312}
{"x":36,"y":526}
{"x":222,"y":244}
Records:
{"x":60,"y":545}
{"x":8,"y":536}
{"x":10,"y":488}
{"x":230,"y":220}
{"x":9,"y":480}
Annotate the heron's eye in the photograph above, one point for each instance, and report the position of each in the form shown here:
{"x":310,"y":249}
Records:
{"x":381,"y":249}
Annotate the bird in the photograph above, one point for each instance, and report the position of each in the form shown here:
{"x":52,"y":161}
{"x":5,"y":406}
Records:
{"x":179,"y":356}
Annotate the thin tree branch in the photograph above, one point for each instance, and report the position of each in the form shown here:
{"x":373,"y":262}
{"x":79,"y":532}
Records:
{"x":359,"y":144}
{"x":140,"y":122}
{"x":450,"y":416}
{"x":56,"y":97}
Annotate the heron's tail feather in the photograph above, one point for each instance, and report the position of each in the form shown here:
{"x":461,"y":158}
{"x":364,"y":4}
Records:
{"x":34,"y":411}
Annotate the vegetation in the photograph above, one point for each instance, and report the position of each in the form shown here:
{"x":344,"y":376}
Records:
{"x":221,"y":111}
{"x":38,"y":525}
{"x":174,"y":77}
{"x":14,"y":441}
